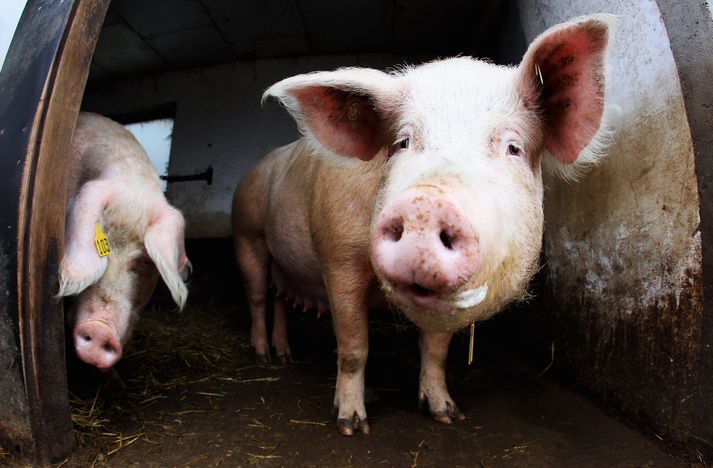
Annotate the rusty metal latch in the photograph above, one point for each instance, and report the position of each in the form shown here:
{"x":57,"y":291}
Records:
{"x":206,"y":175}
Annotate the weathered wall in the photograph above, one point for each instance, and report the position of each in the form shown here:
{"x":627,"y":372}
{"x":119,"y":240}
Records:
{"x":219,"y":122}
{"x":623,"y":247}
{"x":690,"y":30}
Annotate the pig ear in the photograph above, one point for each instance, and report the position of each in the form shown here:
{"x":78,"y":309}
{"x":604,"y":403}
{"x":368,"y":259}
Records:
{"x":164,"y":244}
{"x":343,"y":112}
{"x":563,"y":76}
{"x":81,"y":265}
{"x":80,"y":270}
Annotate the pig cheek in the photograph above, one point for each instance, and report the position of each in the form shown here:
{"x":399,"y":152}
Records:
{"x":88,"y":306}
{"x":145,"y":278}
{"x":511,"y":273}
{"x":510,"y":236}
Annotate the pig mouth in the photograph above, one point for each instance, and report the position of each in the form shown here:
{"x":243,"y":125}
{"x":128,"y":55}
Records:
{"x":433,"y":301}
{"x":420,"y":295}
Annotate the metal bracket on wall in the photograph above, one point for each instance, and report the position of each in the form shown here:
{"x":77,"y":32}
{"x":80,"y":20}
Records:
{"x":206,"y":175}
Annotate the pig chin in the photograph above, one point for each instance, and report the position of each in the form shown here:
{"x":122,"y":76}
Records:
{"x":431,"y":310}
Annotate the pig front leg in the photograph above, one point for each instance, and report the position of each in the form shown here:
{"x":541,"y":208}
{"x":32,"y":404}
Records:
{"x":350,"y":318}
{"x":432,"y":380}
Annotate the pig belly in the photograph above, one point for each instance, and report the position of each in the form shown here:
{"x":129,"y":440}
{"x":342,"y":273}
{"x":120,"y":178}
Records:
{"x":295,"y":270}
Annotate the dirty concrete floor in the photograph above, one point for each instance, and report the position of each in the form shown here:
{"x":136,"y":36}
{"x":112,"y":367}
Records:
{"x":189,"y":393}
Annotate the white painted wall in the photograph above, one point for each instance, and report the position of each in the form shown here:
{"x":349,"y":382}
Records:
{"x":219,"y":123}
{"x":10,"y":12}
{"x":156,"y":137}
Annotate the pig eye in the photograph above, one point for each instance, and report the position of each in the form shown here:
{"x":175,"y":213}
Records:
{"x":509,"y":144}
{"x":403,"y":140}
{"x":514,"y":150}
{"x":141,"y":263}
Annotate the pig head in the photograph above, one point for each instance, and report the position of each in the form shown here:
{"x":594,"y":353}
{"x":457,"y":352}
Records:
{"x":115,"y":192}
{"x":433,"y":173}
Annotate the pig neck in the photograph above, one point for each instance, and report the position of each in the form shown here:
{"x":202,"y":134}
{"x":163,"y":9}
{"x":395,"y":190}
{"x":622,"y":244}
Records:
{"x":343,"y":202}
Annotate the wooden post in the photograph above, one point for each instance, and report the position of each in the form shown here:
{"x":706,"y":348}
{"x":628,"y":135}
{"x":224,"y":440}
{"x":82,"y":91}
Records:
{"x":42,"y":84}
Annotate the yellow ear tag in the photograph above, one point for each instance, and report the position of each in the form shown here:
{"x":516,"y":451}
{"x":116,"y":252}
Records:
{"x":101,"y":241}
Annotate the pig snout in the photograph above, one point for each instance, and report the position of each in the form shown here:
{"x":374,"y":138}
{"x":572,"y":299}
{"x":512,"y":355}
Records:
{"x":96,"y":343}
{"x":423,"y":243}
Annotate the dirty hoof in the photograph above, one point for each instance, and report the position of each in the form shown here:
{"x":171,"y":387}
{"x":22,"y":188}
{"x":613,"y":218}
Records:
{"x":347,"y":426}
{"x":263,"y":358}
{"x":445,"y":416}
{"x":284,"y":359}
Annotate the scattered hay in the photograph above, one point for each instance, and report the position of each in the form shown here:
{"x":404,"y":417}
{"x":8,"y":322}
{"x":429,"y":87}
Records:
{"x":169,"y":354}
{"x":176,"y":367}
{"x":312,"y":423}
{"x":263,"y":457}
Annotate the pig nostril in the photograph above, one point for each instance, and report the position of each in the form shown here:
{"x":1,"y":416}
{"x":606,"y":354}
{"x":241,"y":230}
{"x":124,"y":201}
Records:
{"x":394,"y":232}
{"x":85,"y":337}
{"x":108,"y":348}
{"x":446,"y":240}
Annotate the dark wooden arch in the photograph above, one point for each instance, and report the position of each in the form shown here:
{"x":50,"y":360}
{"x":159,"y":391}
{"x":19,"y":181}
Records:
{"x":41,"y":85}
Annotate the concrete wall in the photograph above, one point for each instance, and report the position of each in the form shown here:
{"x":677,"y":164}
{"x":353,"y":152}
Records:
{"x":690,"y":30}
{"x":219,"y":122}
{"x":623,"y":247}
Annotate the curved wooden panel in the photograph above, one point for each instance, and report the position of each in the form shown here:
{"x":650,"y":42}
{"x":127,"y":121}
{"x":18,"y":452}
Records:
{"x":42,"y":85}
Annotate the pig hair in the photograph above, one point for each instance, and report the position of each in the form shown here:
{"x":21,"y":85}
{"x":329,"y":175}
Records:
{"x":593,"y":153}
{"x":68,"y":287}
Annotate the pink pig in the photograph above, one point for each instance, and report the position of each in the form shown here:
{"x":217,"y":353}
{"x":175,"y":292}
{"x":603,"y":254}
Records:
{"x":115,"y":185}
{"x":422,"y":187}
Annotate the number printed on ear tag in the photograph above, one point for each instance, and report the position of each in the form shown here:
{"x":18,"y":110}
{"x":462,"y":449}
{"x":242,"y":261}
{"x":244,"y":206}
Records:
{"x":101,"y":241}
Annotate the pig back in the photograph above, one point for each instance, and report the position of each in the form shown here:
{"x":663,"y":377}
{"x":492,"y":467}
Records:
{"x":101,"y":149}
{"x":104,"y":150}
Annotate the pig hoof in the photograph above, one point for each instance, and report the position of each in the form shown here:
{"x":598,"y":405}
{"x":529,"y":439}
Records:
{"x":445,"y":416}
{"x":263,"y":358}
{"x":284,"y":359}
{"x":347,"y":426}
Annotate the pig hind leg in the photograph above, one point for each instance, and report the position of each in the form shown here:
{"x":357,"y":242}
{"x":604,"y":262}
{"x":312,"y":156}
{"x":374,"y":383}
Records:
{"x":432,"y":380}
{"x":253,"y":260}
{"x":279,"y":332}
